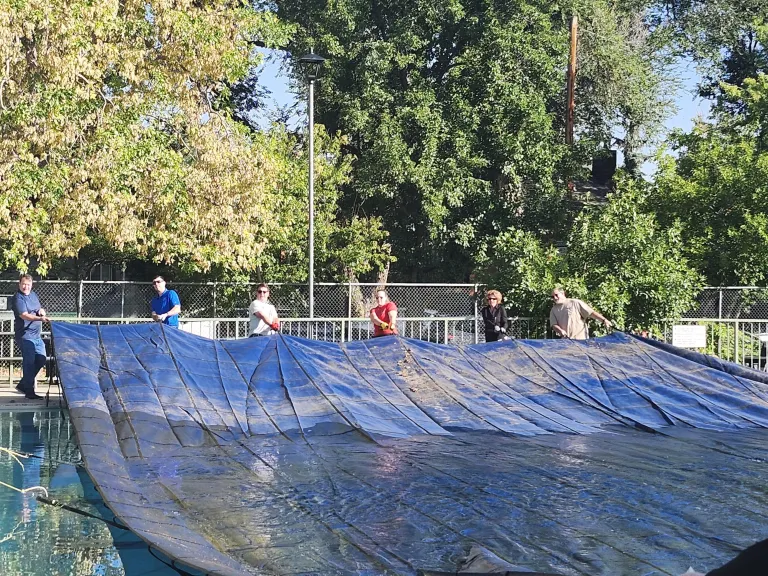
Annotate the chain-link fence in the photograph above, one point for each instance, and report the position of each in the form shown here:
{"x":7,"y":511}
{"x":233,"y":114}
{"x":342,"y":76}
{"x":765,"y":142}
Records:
{"x":97,"y":299}
{"x":94,"y":299}
{"x":748,"y":302}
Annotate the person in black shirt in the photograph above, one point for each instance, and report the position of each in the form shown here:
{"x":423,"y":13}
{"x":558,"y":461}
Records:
{"x":494,"y":317}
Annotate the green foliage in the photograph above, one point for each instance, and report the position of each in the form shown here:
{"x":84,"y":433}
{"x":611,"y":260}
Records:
{"x":718,"y":190}
{"x":617,"y":258}
{"x":116,"y":141}
{"x":525,"y":270}
{"x":726,"y":39}
{"x":634,"y":269}
{"x":342,"y":246}
{"x":455,"y":113}
{"x":625,"y":80}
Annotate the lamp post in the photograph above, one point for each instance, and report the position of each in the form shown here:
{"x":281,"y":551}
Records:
{"x":311,"y":63}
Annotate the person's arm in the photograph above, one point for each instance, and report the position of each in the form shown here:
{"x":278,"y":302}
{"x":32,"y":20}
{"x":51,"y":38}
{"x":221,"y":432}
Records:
{"x":485,"y":314}
{"x":266,"y":316}
{"x":597,"y":316}
{"x":375,"y":319}
{"x":275,"y":324}
{"x":175,"y":311}
{"x":264,"y":313}
{"x":588,"y":312}
{"x":503,"y":319}
{"x":393,"y":320}
{"x":28,"y":315}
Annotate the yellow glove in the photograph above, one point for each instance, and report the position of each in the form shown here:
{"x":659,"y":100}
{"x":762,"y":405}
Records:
{"x":384,"y":326}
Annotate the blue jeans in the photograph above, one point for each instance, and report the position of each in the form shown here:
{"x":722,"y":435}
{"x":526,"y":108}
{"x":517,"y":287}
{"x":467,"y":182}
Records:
{"x":32,"y":360}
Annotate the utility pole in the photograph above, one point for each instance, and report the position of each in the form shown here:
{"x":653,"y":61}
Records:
{"x":570,"y":112}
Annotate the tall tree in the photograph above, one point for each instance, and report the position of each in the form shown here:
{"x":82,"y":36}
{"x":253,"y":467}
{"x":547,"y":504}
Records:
{"x":454,"y":112}
{"x":717,"y":188}
{"x":618,"y":257}
{"x":722,"y":37}
{"x":115,"y":131}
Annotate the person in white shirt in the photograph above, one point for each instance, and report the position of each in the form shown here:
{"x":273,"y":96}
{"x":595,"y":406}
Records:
{"x":569,"y":316}
{"x":262,"y":315}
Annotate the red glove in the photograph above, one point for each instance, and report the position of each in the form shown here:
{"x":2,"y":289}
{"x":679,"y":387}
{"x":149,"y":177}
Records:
{"x":275,"y":325}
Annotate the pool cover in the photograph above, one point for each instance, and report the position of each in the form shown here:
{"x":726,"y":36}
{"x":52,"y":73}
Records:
{"x":281,"y":455}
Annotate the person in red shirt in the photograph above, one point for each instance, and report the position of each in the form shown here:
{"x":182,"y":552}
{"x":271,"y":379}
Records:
{"x":384,"y":316}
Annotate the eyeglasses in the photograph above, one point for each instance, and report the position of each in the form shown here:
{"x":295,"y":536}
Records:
{"x":492,"y":298}
{"x":263,"y":291}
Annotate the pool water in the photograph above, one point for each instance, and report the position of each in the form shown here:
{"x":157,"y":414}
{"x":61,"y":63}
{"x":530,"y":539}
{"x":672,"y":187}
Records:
{"x":37,"y":539}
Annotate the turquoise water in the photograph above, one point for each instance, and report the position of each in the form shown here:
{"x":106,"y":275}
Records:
{"x":40,"y":540}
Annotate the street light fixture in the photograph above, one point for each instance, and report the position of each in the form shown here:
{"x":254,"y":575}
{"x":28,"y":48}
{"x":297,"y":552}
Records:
{"x":311,"y":63}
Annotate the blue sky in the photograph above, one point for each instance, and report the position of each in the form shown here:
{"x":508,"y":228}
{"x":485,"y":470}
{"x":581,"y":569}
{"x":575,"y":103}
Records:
{"x":688,"y":103}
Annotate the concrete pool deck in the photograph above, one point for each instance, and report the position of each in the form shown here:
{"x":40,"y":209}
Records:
{"x":10,"y":399}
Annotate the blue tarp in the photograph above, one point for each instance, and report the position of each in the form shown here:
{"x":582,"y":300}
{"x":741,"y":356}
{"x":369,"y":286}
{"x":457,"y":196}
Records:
{"x":282,"y":455}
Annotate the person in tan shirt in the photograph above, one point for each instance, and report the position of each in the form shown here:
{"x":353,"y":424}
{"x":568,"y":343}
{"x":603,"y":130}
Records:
{"x":569,"y":316}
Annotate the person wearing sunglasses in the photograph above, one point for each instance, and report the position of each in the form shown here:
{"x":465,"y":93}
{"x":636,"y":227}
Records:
{"x":166,"y":306}
{"x":262,"y":315}
{"x":384,"y":315}
{"x":494,"y":317}
{"x":569,"y":316}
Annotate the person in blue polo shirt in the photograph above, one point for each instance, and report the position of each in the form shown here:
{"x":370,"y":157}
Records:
{"x":166,"y":306}
{"x":29,"y":317}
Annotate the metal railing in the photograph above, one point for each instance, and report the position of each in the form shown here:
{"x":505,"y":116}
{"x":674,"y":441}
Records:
{"x":735,"y":340}
{"x":457,"y":330}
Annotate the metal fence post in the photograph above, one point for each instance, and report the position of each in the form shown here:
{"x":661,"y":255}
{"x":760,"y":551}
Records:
{"x":80,"y":300}
{"x":719,"y":304}
{"x":736,"y":343}
{"x":477,"y":320}
{"x":215,"y":286}
{"x":10,"y":354}
{"x":349,"y":299}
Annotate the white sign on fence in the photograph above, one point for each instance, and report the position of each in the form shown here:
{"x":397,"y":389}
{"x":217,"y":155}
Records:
{"x":689,"y":336}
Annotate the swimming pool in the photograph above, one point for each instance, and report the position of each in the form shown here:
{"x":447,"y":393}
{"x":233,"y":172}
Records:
{"x":41,"y":540}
